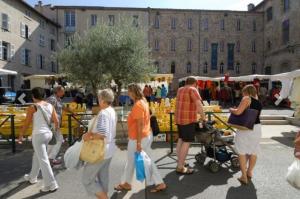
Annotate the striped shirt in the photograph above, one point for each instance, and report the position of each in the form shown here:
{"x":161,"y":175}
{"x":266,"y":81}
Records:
{"x":106,"y":126}
{"x":186,"y":108}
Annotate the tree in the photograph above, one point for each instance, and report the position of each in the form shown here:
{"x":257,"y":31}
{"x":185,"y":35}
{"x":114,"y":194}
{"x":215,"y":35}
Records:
{"x":105,"y":53}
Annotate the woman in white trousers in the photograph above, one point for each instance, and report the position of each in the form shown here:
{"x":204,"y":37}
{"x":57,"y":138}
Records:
{"x":140,"y":138}
{"x":41,"y":135}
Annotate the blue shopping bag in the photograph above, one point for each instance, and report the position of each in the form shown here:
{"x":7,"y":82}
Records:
{"x":139,"y":167}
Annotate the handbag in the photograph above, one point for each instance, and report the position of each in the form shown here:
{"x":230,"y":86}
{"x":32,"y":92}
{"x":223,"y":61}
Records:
{"x":71,"y":157}
{"x":244,"y":121}
{"x":93,"y":151}
{"x":154,"y":125}
{"x":53,"y":139}
{"x":139,"y":167}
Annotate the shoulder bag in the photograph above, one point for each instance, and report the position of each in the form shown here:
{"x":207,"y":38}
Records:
{"x":93,"y":151}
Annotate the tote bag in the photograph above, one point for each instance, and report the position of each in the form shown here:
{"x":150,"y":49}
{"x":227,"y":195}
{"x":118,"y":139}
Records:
{"x":93,"y":151}
{"x":244,"y":121}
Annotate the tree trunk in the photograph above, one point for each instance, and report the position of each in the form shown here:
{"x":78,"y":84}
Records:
{"x":119,"y":89}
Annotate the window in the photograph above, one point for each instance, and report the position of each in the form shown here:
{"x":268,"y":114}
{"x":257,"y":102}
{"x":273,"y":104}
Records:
{"x":238,"y":24}
{"x":40,"y":61}
{"x":111,"y":20}
{"x":156,"y":65}
{"x":42,"y":40}
{"x":93,"y":20}
{"x":285,"y":32}
{"x":156,"y":44}
{"x":7,"y":51}
{"x":268,"y":70}
{"x":269,"y":45}
{"x":230,"y":56}
{"x":269,"y":14}
{"x":53,"y":67}
{"x":253,"y":68}
{"x":286,"y":5}
{"x":190,"y":24}
{"x":214,"y":56}
{"x":173,"y":69}
{"x":189,"y":45}
{"x":52,"y":44}
{"x":222,"y":24}
{"x":68,"y":39}
{"x":25,"y":32}
{"x":253,"y":46}
{"x":254,"y":25}
{"x":156,"y":22}
{"x":52,"y":31}
{"x":237,"y":70}
{"x":205,"y":45}
{"x":205,"y":67}
{"x":5,"y":22}
{"x":173,"y":45}
{"x":221,"y":68}
{"x":25,"y":56}
{"x":189,"y":67}
{"x":205,"y":24}
{"x":222,"y":46}
{"x":238,"y":46}
{"x":42,"y":23}
{"x":135,"y":21}
{"x":70,"y":19}
{"x":173,"y":23}
{"x":27,"y":13}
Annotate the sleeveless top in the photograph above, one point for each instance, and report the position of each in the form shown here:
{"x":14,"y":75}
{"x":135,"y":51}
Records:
{"x":40,"y":126}
{"x":255,"y":104}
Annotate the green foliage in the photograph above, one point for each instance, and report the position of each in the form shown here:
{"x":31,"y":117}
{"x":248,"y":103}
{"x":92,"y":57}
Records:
{"x":106,"y":53}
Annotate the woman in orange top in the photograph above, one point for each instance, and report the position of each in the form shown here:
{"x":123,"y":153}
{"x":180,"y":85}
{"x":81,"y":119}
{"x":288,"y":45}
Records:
{"x":140,"y":138}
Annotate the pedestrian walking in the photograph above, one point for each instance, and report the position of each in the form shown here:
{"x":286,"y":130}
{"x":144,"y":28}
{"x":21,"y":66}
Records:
{"x":140,"y":138}
{"x":95,"y":177}
{"x":58,"y":105}
{"x":188,"y":104}
{"x":247,"y":141}
{"x":41,"y":135}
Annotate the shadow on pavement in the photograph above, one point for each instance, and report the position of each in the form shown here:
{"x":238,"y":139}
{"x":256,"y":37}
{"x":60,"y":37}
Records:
{"x":245,"y":192}
{"x":16,"y":189}
{"x":38,"y":195}
{"x":287,"y":139}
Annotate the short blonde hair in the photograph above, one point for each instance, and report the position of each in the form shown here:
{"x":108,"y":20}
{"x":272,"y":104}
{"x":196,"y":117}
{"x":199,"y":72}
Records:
{"x":106,"y":95}
{"x":250,"y":90}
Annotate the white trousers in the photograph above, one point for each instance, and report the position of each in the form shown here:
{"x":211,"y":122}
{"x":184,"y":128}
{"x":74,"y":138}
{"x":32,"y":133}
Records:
{"x":53,"y":150}
{"x":40,"y":159}
{"x":130,"y":164}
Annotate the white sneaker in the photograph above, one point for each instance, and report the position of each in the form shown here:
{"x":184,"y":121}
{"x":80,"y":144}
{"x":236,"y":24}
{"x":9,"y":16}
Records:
{"x":32,"y":181}
{"x":49,"y":188}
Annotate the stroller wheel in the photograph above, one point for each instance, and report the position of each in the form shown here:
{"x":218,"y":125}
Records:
{"x":235,"y":162}
{"x":200,"y":158}
{"x":214,"y":167}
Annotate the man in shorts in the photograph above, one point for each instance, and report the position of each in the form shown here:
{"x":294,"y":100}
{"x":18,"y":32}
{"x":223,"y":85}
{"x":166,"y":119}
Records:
{"x":188,"y":105}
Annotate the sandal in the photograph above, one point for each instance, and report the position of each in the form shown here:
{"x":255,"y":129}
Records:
{"x":249,"y":178}
{"x":243,"y":182}
{"x":159,"y":188}
{"x":121,"y":187}
{"x":184,"y":171}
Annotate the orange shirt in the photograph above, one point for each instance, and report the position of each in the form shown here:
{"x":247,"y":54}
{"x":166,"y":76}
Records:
{"x":140,"y":110}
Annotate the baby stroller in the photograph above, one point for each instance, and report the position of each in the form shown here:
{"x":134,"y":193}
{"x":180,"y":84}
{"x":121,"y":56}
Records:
{"x":215,"y":145}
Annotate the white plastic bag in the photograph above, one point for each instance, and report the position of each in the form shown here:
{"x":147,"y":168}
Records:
{"x":148,"y":168}
{"x":293,"y":174}
{"x":71,"y":157}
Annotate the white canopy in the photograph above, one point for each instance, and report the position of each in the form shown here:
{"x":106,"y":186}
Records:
{"x":7,"y":72}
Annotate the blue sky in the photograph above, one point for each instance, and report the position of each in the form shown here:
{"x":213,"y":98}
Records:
{"x":183,"y":4}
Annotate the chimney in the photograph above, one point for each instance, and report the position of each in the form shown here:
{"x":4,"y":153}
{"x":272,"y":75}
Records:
{"x":39,"y":7}
{"x":251,"y":6}
{"x":40,"y":3}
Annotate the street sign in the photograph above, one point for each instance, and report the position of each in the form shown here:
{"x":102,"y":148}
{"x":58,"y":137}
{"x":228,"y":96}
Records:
{"x":21,"y":98}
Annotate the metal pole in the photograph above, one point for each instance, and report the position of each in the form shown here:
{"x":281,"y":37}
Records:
{"x":171,"y":133}
{"x":70,"y":129}
{"x":13,"y":136}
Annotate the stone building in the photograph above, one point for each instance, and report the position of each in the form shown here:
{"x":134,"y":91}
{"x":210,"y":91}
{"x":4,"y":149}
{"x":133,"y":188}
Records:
{"x":27,"y":41}
{"x":281,"y":35}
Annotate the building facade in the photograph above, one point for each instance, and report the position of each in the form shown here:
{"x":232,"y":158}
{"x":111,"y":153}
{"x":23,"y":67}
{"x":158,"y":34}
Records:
{"x":264,"y":40}
{"x":27,"y":41}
